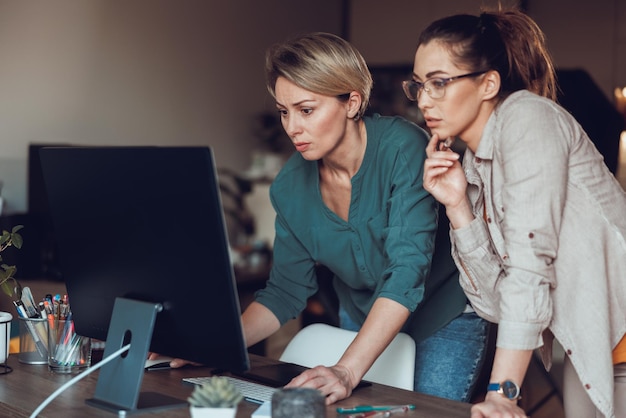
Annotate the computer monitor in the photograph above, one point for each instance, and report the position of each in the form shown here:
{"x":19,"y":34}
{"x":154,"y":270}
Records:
{"x":146,"y":224}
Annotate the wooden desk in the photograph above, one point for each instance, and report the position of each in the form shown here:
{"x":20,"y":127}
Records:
{"x":27,"y":386}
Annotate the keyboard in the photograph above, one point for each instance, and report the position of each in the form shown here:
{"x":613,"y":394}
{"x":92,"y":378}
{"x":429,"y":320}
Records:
{"x":252,"y":392}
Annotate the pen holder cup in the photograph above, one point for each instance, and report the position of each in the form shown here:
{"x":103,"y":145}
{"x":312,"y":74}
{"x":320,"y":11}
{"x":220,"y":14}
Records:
{"x":298,"y":402}
{"x":33,"y":341}
{"x":68,"y":352}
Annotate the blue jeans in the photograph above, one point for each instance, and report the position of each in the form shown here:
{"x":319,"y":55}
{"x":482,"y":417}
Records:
{"x":448,"y":363}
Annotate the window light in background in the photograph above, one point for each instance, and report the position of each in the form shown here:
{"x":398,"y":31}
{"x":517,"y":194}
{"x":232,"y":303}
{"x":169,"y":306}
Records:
{"x":620,"y":100}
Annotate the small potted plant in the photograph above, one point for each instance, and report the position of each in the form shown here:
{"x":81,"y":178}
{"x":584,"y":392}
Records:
{"x":217,"y":398}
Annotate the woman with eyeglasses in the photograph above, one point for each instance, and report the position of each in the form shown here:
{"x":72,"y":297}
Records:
{"x":351,"y":199}
{"x":537,"y":220}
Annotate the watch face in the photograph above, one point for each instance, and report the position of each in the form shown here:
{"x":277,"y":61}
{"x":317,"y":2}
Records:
{"x":510,"y":389}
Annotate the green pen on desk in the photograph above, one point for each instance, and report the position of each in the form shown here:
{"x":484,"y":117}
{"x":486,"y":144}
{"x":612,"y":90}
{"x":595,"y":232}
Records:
{"x":371,"y":408}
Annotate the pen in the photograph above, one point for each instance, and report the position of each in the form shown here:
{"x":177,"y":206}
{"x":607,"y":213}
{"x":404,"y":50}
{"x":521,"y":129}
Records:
{"x":445,"y":144}
{"x":382,"y":413}
{"x":48,"y":308}
{"x":370,"y":408}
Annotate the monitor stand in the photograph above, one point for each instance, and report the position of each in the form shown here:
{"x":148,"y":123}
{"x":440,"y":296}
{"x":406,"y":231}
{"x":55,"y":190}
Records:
{"x":119,"y":382}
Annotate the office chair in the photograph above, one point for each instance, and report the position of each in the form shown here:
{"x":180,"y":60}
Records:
{"x":322,"y":344}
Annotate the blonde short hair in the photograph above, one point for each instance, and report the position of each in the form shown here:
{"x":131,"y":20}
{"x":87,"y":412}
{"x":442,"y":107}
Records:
{"x":322,"y":63}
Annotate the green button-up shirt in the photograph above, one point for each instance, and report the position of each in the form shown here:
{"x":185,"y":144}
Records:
{"x":386,"y":247}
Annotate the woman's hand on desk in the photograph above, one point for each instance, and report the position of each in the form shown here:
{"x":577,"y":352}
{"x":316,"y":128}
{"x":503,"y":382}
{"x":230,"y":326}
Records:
{"x":175,"y":363}
{"x":495,"y":405}
{"x":335,"y":382}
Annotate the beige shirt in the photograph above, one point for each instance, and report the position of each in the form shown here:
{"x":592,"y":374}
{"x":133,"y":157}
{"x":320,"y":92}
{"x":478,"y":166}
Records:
{"x":547,"y":250}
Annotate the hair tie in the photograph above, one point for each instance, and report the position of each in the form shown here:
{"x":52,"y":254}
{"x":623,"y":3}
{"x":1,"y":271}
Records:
{"x":483,"y":20}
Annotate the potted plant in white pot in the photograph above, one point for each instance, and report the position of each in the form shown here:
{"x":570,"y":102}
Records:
{"x":217,"y":398}
{"x":7,"y":239}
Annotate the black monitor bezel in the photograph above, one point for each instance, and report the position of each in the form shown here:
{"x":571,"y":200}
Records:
{"x":146,"y":223}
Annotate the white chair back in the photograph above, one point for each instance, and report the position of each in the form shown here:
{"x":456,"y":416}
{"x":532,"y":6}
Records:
{"x":322,"y":344}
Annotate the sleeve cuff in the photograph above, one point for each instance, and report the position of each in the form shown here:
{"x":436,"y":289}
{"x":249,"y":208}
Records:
{"x":519,"y":335}
{"x":470,"y":237}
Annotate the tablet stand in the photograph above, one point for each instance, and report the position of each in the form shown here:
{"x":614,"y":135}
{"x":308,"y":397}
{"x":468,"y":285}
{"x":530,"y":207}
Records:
{"x":119,"y":382}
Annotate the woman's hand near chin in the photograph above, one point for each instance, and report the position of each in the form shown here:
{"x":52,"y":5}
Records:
{"x":444,"y":178}
{"x":443,"y":175}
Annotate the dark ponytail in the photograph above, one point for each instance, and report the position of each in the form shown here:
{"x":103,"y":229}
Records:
{"x":508,"y":42}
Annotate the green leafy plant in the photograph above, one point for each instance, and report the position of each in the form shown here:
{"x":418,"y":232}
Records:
{"x":9,"y":239}
{"x":218,"y":392}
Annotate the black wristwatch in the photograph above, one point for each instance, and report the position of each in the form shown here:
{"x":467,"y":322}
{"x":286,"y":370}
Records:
{"x":508,"y":389}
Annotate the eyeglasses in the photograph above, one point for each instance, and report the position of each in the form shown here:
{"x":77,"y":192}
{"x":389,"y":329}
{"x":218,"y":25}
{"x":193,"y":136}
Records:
{"x":435,"y":87}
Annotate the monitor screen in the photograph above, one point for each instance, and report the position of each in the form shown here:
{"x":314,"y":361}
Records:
{"x":146,"y":223}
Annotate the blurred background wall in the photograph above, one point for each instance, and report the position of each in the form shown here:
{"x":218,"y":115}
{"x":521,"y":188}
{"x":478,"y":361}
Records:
{"x":190,"y":72}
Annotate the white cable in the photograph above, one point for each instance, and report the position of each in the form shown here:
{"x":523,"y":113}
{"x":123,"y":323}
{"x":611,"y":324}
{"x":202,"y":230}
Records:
{"x":77,"y":378}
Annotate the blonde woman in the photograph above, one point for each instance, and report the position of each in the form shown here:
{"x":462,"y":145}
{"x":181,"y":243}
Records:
{"x":351,"y":199}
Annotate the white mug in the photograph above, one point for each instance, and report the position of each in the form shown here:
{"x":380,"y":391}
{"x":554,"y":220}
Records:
{"x":5,"y":335}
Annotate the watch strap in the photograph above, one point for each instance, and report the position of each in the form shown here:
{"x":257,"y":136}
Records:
{"x":493,"y":387}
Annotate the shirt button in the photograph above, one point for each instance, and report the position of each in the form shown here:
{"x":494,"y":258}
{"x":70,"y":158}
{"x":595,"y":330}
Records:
{"x":488,"y":219}
{"x":531,"y":235}
{"x":569,"y":352}
{"x":587,"y":386}
{"x":505,"y":256}
{"x":362,"y":268}
{"x":478,"y":160}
